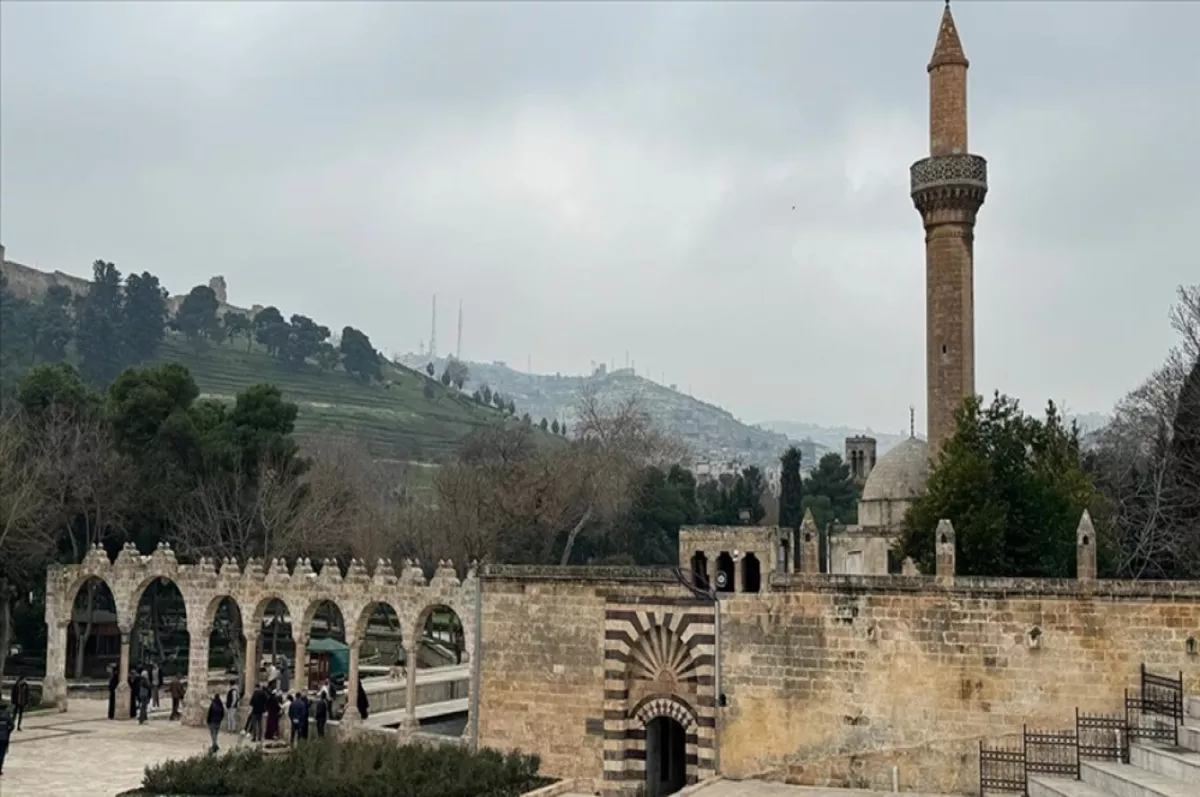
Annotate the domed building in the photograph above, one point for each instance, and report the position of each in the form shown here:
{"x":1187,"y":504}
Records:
{"x":891,"y":486}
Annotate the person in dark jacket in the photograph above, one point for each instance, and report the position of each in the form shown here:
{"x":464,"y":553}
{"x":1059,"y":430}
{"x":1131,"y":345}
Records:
{"x":364,"y":706}
{"x":20,"y":700}
{"x":295,"y":714}
{"x":177,"y":691}
{"x":5,"y":731}
{"x":321,"y":714}
{"x":258,"y":707}
{"x":134,"y":691}
{"x":304,"y":716}
{"x":113,"y":680}
{"x":216,"y":715}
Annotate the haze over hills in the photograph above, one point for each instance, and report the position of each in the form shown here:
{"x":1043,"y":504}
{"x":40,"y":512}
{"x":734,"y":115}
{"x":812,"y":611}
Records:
{"x":712,"y":433}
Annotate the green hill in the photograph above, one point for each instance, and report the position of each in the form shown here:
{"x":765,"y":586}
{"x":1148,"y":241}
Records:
{"x":395,"y":421}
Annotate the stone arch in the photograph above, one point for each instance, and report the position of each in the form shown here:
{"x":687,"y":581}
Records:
{"x":359,"y":628}
{"x":309,"y":615}
{"x":94,"y":630}
{"x":234,"y":635}
{"x":464,"y":644}
{"x":665,"y":706}
{"x":142,"y":592}
{"x":660,"y":662}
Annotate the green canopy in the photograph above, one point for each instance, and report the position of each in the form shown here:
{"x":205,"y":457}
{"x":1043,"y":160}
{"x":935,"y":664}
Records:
{"x":339,"y":654}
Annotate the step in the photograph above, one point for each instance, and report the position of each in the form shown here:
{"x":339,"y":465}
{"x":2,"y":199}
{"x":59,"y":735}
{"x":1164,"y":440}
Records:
{"x":1047,"y":786}
{"x":1167,"y":760}
{"x":1189,"y":736}
{"x":1123,"y":780}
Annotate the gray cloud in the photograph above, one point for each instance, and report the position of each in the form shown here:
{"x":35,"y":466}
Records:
{"x":592,"y":178}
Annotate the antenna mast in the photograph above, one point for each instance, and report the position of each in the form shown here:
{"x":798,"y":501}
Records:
{"x":912,"y":421}
{"x":433,"y":331}
{"x":458,"y":349}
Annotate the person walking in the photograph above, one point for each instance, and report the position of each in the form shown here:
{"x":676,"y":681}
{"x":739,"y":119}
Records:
{"x":5,"y":732}
{"x":232,"y":699}
{"x":135,"y":689}
{"x":216,"y":713}
{"x":145,"y":692}
{"x":113,"y":680}
{"x":295,"y":711}
{"x":321,"y":714}
{"x":177,"y":690}
{"x":20,"y":700}
{"x":305,"y":708}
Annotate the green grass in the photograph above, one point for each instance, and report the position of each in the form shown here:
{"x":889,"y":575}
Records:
{"x":393,"y":422}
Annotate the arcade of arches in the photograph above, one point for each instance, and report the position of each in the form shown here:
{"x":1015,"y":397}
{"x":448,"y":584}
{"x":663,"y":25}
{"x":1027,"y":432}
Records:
{"x":193,"y":617}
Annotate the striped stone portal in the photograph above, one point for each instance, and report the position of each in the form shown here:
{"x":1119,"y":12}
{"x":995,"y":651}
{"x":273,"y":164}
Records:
{"x":659,"y":661}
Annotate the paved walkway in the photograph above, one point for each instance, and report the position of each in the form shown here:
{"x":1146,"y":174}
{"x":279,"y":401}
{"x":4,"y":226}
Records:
{"x":84,"y":754}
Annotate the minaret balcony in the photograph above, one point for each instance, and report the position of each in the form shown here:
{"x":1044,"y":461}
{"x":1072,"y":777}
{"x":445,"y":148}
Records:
{"x":949,"y":183}
{"x":946,"y":170}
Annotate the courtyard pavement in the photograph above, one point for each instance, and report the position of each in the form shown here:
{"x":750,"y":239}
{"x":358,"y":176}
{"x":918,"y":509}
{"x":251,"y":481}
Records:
{"x":84,"y":754}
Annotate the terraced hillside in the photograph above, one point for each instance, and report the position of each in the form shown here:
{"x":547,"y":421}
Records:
{"x":395,"y":422}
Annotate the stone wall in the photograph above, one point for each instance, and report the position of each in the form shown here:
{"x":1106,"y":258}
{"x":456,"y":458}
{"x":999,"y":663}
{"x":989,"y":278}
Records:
{"x":565,"y":671}
{"x":832,"y":680}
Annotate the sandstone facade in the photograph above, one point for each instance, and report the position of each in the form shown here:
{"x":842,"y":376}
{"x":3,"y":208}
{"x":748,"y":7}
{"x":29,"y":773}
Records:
{"x":204,"y":587}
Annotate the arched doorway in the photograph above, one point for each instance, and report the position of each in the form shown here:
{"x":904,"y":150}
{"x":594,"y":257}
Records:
{"x":666,"y":756}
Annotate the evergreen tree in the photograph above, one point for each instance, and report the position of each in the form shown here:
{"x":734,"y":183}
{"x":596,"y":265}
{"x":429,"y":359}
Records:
{"x":16,"y":336}
{"x":791,"y":489}
{"x":197,"y":316}
{"x":554,"y":426}
{"x":359,"y":356}
{"x":100,"y":331}
{"x":1014,"y":488}
{"x":55,"y":327}
{"x":830,"y":492}
{"x":304,"y":340}
{"x":271,"y":331}
{"x":544,"y":424}
{"x":145,"y":315}
{"x":1184,"y":475}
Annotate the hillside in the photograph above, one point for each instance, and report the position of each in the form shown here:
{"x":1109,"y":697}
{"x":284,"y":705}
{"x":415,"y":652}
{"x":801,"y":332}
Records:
{"x":711,"y":432}
{"x":394,"y":421}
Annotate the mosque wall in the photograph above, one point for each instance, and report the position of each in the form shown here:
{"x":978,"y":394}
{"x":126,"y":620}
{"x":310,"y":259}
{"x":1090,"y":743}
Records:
{"x":833,"y":680}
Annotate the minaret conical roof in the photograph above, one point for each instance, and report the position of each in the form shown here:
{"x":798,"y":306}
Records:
{"x":949,"y":49}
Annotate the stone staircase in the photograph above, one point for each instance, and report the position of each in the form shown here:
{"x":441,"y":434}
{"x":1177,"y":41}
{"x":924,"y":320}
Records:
{"x":1154,"y":769}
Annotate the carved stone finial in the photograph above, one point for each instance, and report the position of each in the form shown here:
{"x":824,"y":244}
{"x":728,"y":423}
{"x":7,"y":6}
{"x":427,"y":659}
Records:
{"x":945,"y":548}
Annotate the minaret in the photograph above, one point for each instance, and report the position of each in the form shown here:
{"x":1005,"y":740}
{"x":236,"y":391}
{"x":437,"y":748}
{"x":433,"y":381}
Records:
{"x":948,"y":189}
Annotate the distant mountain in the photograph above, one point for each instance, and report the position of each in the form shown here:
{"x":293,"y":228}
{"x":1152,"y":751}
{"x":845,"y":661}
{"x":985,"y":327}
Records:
{"x":712,"y":433}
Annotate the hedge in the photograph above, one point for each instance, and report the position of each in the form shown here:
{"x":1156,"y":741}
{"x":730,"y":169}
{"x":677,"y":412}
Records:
{"x":362,"y":767}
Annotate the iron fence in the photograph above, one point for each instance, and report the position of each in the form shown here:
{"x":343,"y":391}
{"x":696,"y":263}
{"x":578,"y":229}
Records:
{"x":1001,"y":769}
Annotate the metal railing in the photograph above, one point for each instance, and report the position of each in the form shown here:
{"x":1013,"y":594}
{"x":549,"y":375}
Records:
{"x":1154,"y":712}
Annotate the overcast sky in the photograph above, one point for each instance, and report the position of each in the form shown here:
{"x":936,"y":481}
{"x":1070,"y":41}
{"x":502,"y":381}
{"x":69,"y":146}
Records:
{"x":589,"y":179}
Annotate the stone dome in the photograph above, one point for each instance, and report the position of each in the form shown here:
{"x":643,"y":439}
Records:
{"x":900,"y":474}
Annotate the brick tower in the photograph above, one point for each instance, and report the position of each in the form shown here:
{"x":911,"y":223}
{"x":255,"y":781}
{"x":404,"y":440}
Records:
{"x":948,"y":189}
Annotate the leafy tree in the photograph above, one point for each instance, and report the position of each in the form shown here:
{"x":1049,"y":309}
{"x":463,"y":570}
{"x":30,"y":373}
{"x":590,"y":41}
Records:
{"x":238,"y":325}
{"x":485,"y":392}
{"x":328,"y":357}
{"x":271,"y":330}
{"x":304,"y":339}
{"x":1014,"y":488}
{"x":648,"y":532}
{"x":359,"y":357}
{"x":830,"y":492}
{"x":525,"y":419}
{"x":544,"y":424}
{"x":145,"y":315}
{"x":512,"y":407}
{"x":554,"y":426}
{"x":55,"y":327}
{"x":197,"y":316}
{"x":498,"y":401}
{"x":16,"y":335}
{"x":456,"y":372}
{"x":791,"y":489}
{"x":100,"y":334}
{"x":57,"y":385}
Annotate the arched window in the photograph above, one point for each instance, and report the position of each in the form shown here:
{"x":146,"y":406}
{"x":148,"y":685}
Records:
{"x":725,"y":572}
{"x":700,"y":569}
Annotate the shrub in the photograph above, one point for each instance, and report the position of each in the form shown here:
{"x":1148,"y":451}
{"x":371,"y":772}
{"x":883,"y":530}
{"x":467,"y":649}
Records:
{"x":363,"y":767}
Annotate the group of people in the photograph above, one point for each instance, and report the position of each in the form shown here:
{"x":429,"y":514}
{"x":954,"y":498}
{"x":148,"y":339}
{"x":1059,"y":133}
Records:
{"x":145,"y":688}
{"x":271,"y":710}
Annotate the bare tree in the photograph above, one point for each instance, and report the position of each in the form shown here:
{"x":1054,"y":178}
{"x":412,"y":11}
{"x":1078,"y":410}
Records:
{"x":25,"y":541}
{"x":615,"y":439}
{"x":1149,"y":504}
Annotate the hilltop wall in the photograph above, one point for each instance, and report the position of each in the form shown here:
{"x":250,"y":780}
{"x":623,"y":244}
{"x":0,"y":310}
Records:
{"x":832,"y":680}
{"x":26,"y":282}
